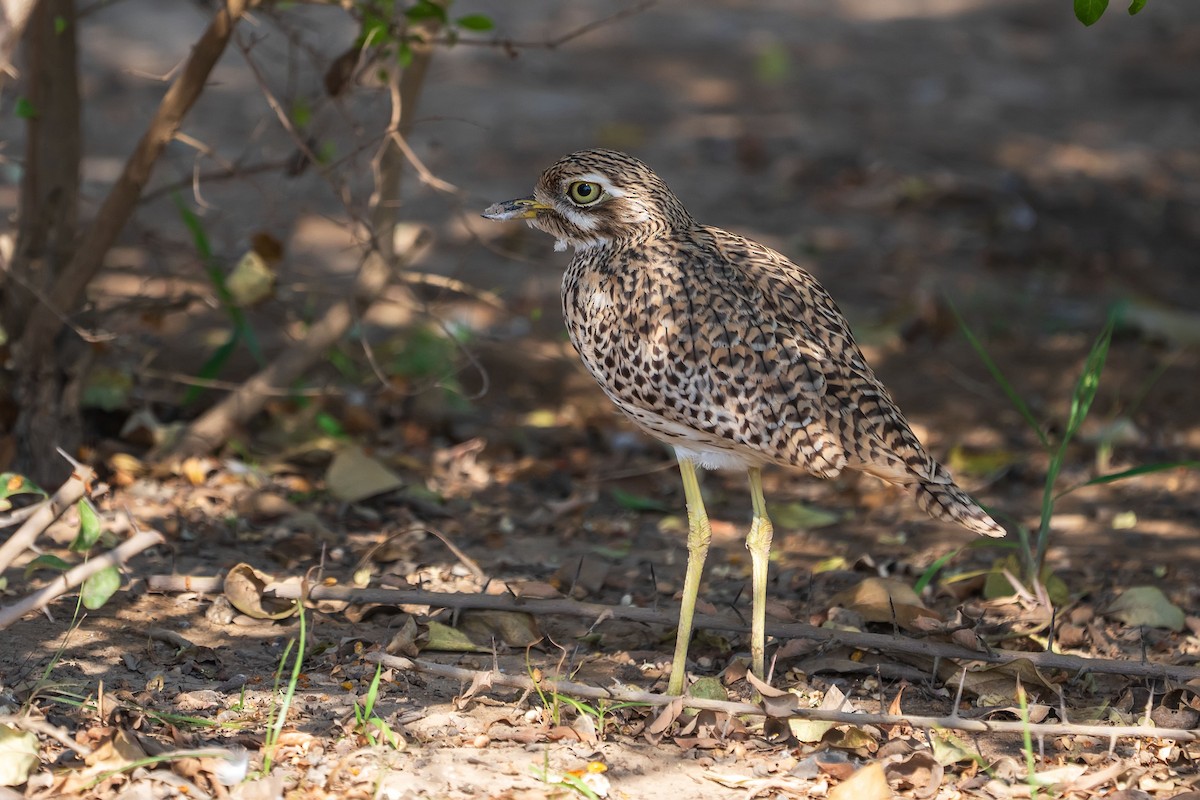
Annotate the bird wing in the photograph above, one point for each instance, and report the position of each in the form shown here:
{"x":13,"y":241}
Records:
{"x":811,"y":359}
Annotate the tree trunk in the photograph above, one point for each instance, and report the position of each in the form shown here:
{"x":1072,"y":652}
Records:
{"x":46,"y":390}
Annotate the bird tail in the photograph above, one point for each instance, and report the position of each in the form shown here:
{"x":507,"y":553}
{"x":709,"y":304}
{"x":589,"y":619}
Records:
{"x":941,"y":499}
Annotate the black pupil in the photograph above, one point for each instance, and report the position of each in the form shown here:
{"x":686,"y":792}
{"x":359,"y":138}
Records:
{"x":584,"y":190}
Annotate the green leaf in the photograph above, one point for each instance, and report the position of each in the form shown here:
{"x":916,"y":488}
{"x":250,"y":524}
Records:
{"x":11,"y":483}
{"x":931,"y":571}
{"x":327,"y":152}
{"x":302,"y":113}
{"x":708,"y":688}
{"x":375,"y":30}
{"x":98,"y":588}
{"x":772,"y":64}
{"x":60,"y":24}
{"x":212,"y":367}
{"x":329,"y":425}
{"x":425,"y":9}
{"x":404,"y":54}
{"x":24,"y":109}
{"x":478,"y":22}
{"x":798,"y":516}
{"x":998,"y":376}
{"x":46,"y":561}
{"x":1088,"y":11}
{"x":1089,"y":381}
{"x":107,"y":388}
{"x":637,"y":502}
{"x":1133,"y":472}
{"x":241,"y":328}
{"x":1136,"y":6}
{"x":1081,"y":402}
{"x":195,"y":227}
{"x":89,"y":527}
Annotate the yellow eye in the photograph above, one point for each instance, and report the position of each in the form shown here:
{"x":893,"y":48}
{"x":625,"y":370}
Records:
{"x":584,"y":193}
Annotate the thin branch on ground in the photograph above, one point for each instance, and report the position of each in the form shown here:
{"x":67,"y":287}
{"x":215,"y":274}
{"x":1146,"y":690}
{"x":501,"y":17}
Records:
{"x":564,"y":606}
{"x":45,"y":513}
{"x":75,"y":577}
{"x":626,"y":695}
{"x":18,"y":515}
{"x":26,"y":722}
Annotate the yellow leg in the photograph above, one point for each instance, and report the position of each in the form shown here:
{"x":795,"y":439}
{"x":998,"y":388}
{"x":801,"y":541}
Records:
{"x":758,"y":542}
{"x":699,"y":536}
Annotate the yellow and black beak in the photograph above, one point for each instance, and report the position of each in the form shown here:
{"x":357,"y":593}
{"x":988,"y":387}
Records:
{"x":521,"y":208}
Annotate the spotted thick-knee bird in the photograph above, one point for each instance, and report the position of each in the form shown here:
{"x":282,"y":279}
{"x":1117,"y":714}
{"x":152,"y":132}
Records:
{"x":723,"y":349}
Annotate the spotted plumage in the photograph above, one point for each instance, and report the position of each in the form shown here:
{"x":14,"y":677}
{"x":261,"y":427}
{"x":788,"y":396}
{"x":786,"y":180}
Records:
{"x":720,"y":346}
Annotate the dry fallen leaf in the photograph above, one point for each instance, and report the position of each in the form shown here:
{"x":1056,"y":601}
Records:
{"x":1147,"y":605}
{"x":251,"y":281}
{"x":245,"y":589}
{"x":869,"y":783}
{"x":408,"y":639}
{"x":115,"y":753}
{"x":885,"y":600}
{"x":513,"y":628}
{"x":354,"y":476}
{"x":18,"y":755}
{"x":809,"y":731}
{"x":919,"y":772}
{"x":443,"y":637}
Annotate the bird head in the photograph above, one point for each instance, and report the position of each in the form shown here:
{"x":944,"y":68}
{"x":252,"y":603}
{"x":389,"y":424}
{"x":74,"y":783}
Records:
{"x":594,"y":197}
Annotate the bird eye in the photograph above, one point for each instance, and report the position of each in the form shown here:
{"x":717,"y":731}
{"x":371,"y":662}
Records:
{"x":584,"y":193}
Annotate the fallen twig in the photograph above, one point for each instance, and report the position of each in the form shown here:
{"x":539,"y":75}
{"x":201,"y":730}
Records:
{"x":626,"y":695}
{"x":564,"y":606}
{"x":46,"y":512}
{"x":75,"y":577}
{"x":43,"y":727}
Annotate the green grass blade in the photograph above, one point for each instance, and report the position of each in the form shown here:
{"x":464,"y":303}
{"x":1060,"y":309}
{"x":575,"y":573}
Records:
{"x":1089,"y":381}
{"x":1133,"y":472}
{"x":195,"y":228}
{"x":242,"y":329}
{"x":1081,"y":403}
{"x":1018,"y":403}
{"x":212,"y":367}
{"x":275,"y":728}
{"x":932,"y":570}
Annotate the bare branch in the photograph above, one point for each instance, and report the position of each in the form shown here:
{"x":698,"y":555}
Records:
{"x":47,"y":511}
{"x":45,"y":729}
{"x":69,"y":287}
{"x":626,"y":695}
{"x":75,"y":577}
{"x":871,"y":641}
{"x":16,"y":14}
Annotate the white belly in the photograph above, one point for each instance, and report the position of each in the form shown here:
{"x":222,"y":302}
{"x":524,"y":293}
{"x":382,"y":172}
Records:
{"x":713,"y":459}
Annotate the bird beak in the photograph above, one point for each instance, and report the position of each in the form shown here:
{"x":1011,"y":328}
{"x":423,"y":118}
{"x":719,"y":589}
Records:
{"x":521,"y":208}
